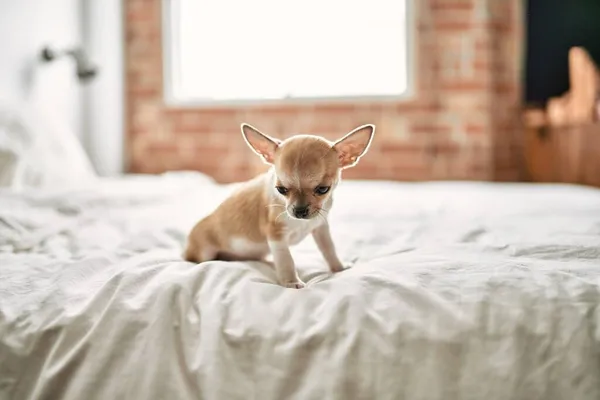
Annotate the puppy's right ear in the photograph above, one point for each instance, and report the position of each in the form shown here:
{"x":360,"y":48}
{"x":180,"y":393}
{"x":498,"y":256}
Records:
{"x":354,"y":145}
{"x":260,"y":143}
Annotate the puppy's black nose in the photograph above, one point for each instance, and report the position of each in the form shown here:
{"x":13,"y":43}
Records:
{"x":301,"y":212}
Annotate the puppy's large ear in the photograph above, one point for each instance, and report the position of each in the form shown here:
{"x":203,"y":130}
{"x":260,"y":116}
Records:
{"x":260,"y":143}
{"x":354,"y":145}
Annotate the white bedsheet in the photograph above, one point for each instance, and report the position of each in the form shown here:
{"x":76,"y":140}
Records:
{"x":458,"y":291}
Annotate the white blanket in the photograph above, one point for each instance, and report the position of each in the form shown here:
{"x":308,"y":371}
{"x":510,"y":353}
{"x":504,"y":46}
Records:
{"x":458,"y":291}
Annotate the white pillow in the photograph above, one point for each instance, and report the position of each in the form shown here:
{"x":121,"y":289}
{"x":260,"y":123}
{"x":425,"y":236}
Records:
{"x":35,"y":152}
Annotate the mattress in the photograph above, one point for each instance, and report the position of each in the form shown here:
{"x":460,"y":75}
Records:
{"x":457,"y":291}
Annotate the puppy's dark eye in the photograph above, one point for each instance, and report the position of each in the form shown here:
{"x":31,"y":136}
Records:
{"x":321,"y":190}
{"x":282,"y":190}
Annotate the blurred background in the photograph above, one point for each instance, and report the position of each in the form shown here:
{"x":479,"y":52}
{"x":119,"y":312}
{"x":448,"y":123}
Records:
{"x":493,"y":90}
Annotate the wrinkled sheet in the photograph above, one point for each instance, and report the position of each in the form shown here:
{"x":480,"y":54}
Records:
{"x":457,"y":291}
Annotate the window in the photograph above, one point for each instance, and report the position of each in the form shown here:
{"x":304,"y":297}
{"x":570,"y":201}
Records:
{"x":231,"y":50}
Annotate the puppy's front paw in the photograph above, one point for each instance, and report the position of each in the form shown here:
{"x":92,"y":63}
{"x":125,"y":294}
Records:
{"x":339,"y":267}
{"x":297,"y":284}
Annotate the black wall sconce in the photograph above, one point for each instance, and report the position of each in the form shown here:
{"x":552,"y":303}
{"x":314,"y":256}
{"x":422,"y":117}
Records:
{"x":85,"y":70}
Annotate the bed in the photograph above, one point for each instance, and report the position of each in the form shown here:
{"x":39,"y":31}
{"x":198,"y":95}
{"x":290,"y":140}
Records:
{"x":457,"y":291}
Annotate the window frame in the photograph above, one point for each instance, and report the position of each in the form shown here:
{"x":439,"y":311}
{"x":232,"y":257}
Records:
{"x":170,"y":63}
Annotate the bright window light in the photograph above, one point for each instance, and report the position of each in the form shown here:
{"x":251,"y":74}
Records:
{"x":225,"y":50}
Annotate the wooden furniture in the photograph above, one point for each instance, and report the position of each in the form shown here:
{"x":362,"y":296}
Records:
{"x":562,"y":141}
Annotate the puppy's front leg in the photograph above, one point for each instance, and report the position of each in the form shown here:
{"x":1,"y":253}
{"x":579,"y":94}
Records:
{"x":322,"y":238}
{"x":284,"y":265}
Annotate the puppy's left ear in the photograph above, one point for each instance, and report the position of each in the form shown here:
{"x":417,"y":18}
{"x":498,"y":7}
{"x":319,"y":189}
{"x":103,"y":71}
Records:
{"x":354,"y":145}
{"x":260,"y":143}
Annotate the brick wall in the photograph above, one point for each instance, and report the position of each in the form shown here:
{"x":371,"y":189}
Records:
{"x":462,"y":123}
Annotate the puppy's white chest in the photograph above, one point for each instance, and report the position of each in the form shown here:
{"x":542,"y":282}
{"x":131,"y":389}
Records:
{"x":297,"y":230}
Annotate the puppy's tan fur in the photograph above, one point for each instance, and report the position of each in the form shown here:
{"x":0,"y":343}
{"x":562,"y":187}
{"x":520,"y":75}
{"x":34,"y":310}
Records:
{"x":281,"y":207}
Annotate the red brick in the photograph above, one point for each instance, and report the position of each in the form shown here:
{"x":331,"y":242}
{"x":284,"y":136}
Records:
{"x":190,"y":122}
{"x":334,"y":107}
{"x":444,"y":148}
{"x":143,"y":92}
{"x":465,"y":86}
{"x":141,"y":13}
{"x":452,"y":5}
{"x":215,"y":153}
{"x":162,"y":148}
{"x":402,"y":148}
{"x":453,"y":26}
{"x":474,"y":129}
{"x":431,"y":128}
{"x":431,"y":107}
{"x":505,"y":88}
{"x":483,"y":65}
{"x":360,"y":172}
{"x":409,"y":173}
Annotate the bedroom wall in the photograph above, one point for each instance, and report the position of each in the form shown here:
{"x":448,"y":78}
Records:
{"x":93,"y":111}
{"x":104,"y":98}
{"x":462,"y":123}
{"x":25,"y":27}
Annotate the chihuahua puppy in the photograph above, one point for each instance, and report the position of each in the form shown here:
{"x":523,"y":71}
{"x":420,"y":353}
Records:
{"x":279,"y":208}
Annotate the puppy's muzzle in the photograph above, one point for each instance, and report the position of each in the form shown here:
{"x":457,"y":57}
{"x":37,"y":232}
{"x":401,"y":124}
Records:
{"x":301,"y":212}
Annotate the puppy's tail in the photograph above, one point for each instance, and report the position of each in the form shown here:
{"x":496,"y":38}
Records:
{"x":199,"y":252}
{"x":190,"y":254}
